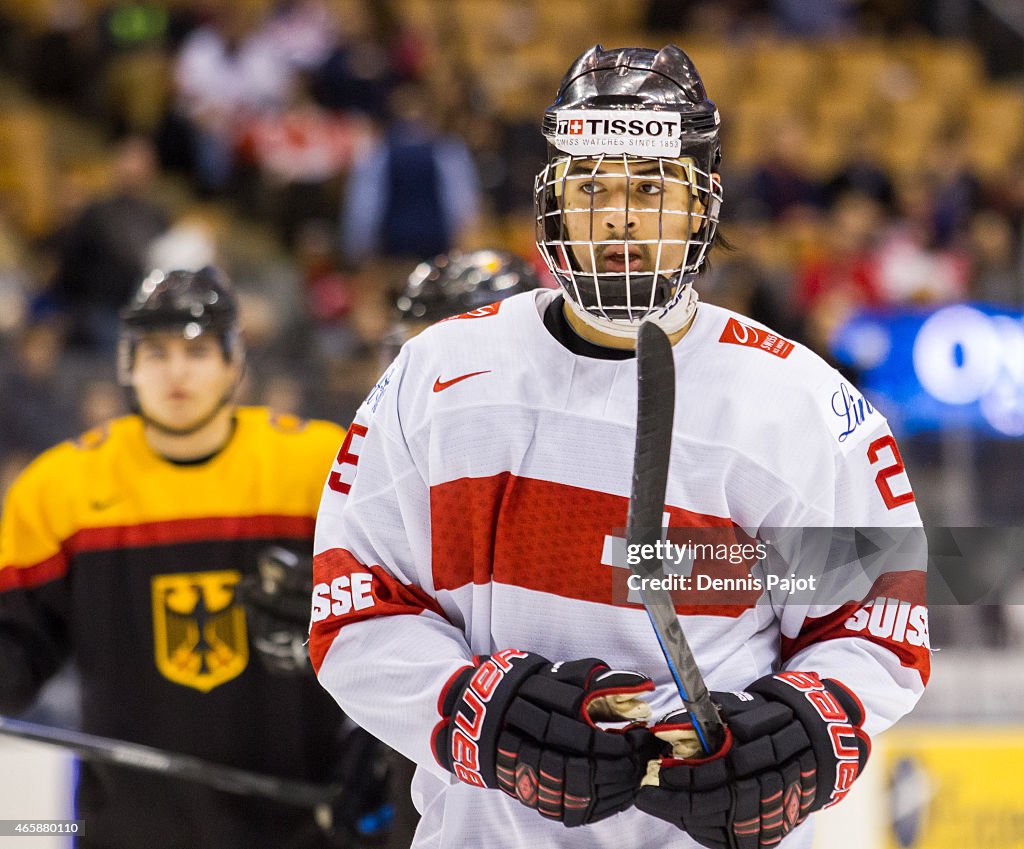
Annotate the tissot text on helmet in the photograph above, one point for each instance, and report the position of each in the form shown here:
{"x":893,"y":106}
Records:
{"x":618,"y":127}
{"x":601,"y":131}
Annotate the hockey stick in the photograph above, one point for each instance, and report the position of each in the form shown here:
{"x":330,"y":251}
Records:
{"x":302,"y":794}
{"x":656,"y":387}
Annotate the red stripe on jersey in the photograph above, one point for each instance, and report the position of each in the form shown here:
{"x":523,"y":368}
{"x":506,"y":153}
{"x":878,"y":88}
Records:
{"x":892,"y":615}
{"x":146,"y":534}
{"x":25,"y":577}
{"x":551,"y":538}
{"x":190,"y":530}
{"x":349,"y":592}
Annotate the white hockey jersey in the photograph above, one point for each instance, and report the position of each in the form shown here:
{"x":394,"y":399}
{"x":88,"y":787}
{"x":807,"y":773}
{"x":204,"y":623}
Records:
{"x":475,"y":505}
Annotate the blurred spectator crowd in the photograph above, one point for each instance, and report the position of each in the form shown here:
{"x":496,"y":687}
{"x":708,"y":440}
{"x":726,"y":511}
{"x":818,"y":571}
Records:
{"x":318,"y":149}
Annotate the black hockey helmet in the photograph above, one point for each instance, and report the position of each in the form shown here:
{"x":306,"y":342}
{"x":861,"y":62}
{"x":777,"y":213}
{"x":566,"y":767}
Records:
{"x":638,"y":78}
{"x":454,"y":283}
{"x":625,"y":108}
{"x":192,"y":302}
{"x":196,"y":301}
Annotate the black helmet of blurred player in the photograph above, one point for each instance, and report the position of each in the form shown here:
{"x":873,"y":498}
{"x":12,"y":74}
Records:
{"x":189,"y":303}
{"x":452,"y":284}
{"x":627,"y":205}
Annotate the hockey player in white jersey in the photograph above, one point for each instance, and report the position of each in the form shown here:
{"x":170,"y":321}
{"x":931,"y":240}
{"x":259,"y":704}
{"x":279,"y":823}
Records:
{"x":467,"y":607}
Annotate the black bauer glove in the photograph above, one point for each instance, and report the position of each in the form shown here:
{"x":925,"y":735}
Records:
{"x":794,"y":744}
{"x":276,"y":599}
{"x":519,"y":723}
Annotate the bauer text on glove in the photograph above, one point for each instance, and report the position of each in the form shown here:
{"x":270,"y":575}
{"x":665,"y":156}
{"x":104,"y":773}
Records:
{"x":519,"y":723}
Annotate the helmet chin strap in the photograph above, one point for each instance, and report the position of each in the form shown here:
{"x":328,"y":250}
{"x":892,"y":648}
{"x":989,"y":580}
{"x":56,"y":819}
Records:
{"x":671,"y":318}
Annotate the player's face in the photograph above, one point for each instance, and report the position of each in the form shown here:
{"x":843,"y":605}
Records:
{"x":179,"y":382}
{"x":626,"y":210}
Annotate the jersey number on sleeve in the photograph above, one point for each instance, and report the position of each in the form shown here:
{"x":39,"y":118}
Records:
{"x":895,"y":468}
{"x":346,"y":457}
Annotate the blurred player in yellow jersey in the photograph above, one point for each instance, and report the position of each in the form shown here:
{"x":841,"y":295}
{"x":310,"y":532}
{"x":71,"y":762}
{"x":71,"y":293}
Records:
{"x":132,"y":548}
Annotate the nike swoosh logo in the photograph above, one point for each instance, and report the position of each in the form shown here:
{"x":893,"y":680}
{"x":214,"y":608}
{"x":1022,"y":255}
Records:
{"x":441,"y":385}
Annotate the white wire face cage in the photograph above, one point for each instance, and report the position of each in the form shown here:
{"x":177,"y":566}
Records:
{"x":625,"y":234}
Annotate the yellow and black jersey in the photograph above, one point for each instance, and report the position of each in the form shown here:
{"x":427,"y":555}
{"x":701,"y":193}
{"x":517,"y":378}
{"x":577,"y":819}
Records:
{"x":131,"y":561}
{"x":107,"y":491}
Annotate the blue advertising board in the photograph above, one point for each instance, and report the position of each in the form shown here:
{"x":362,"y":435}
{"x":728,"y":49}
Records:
{"x":956,"y":366}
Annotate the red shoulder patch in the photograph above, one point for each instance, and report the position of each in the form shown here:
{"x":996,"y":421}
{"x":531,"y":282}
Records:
{"x":738,"y":333}
{"x":479,"y":312}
